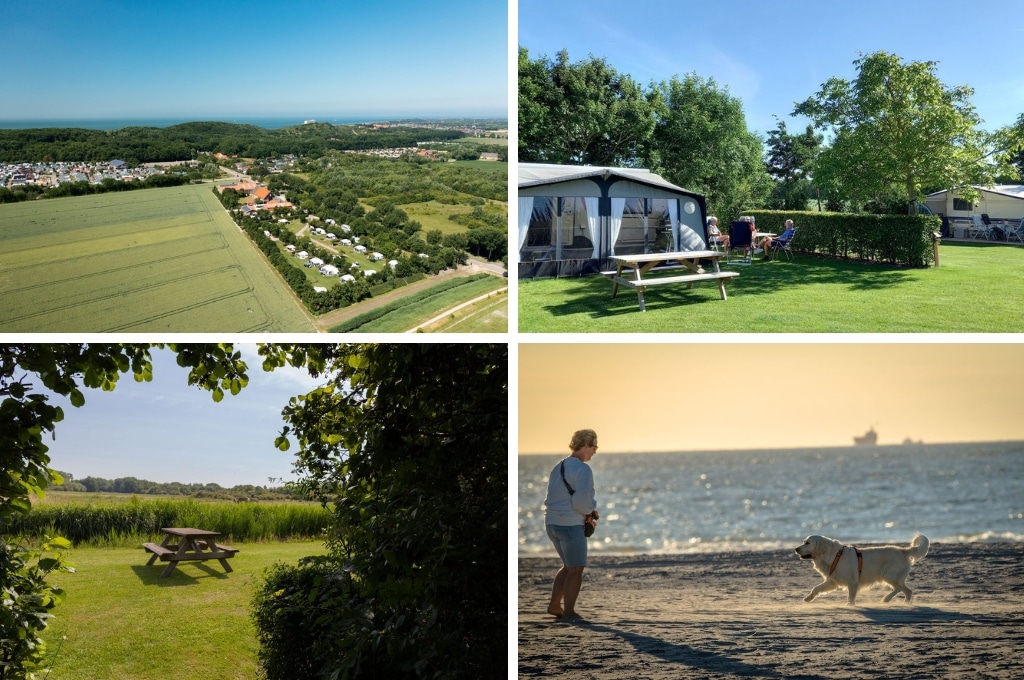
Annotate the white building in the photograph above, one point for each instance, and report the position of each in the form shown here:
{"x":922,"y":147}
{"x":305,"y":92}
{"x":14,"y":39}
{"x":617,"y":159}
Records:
{"x":329,"y":270}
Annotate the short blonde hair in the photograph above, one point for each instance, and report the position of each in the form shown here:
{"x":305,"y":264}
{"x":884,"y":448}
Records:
{"x":581,"y":438}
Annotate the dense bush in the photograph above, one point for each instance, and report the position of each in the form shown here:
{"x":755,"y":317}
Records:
{"x":291,"y":610}
{"x":408,"y":443}
{"x":904,"y":240}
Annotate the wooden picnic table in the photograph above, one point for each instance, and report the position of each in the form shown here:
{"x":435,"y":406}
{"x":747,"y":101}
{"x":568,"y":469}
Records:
{"x":194,"y":545}
{"x":687,"y":261}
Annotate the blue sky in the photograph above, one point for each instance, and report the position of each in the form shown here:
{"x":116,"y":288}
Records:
{"x":772,"y":54}
{"x":116,"y":59}
{"x":166,"y":431}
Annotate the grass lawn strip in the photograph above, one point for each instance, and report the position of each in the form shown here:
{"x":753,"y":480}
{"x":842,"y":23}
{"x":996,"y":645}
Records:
{"x":122,"y":621}
{"x":408,"y":312}
{"x":485,"y":316}
{"x":979,"y":288}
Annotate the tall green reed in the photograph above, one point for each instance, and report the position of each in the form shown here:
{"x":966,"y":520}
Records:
{"x":141,"y":520}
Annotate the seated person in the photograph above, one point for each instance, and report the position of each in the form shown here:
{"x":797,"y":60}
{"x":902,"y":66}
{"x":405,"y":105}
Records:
{"x":766,"y":243}
{"x":714,"y":233}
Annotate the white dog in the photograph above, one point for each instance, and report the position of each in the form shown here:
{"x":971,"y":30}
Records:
{"x":845,"y":566}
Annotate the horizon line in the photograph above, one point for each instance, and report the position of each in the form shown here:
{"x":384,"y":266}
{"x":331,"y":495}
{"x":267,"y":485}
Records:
{"x":788,"y":448}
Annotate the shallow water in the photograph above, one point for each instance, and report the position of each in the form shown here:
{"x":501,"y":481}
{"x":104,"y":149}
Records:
{"x":749,"y":500}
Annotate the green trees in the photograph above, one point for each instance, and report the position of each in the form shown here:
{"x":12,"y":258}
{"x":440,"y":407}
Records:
{"x":701,"y":142}
{"x":688,"y":130}
{"x":408,"y":444}
{"x":790,"y":163}
{"x":897,"y":129}
{"x":581,"y":114}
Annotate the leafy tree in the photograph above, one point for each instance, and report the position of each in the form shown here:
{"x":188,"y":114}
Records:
{"x":701,"y":142}
{"x":583,"y":113}
{"x":487,"y":241}
{"x":897,"y":128}
{"x":790,"y":163}
{"x":407,"y":444}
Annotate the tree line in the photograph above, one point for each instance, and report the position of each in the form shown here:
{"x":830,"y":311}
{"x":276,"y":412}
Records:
{"x":136,"y":145}
{"x":895,"y":133}
{"x":133,"y":485}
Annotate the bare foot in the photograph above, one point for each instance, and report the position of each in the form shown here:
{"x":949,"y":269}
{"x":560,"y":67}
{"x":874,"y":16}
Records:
{"x":556,"y":612}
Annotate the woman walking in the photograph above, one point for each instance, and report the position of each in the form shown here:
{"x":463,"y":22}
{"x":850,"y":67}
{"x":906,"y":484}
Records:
{"x":568,"y":507}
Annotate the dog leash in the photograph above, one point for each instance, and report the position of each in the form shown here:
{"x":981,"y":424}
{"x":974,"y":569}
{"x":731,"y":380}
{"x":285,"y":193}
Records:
{"x":860,"y":560}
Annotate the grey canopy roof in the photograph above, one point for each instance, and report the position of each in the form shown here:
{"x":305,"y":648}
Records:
{"x":540,"y":174}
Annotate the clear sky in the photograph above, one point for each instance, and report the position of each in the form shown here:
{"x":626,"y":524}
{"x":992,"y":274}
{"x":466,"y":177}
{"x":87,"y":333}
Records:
{"x":773,"y":54}
{"x":125,"y":58}
{"x":699,"y":397}
{"x":166,"y":431}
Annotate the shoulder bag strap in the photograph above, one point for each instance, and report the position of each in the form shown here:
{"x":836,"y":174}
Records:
{"x":569,"y":488}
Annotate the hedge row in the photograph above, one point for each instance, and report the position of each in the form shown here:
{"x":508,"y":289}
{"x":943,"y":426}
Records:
{"x":904,"y":240}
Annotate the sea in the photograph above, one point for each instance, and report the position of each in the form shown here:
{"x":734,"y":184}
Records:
{"x":709,"y":502}
{"x":268,"y":122}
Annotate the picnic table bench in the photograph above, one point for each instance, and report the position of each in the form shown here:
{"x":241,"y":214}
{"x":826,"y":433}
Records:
{"x":195,"y":545}
{"x":688,"y":261}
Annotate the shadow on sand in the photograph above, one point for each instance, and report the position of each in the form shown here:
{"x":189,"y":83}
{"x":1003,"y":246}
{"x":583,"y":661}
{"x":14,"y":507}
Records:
{"x":673,"y":652}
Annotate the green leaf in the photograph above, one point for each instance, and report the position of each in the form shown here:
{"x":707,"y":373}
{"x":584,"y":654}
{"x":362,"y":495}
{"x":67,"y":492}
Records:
{"x":77,"y":398}
{"x":218,"y":394}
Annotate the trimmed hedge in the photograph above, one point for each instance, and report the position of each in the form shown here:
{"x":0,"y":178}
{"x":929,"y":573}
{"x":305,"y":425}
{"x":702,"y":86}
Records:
{"x":904,"y":240}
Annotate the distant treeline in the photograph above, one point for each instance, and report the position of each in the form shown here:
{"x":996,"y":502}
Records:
{"x":132,"y":485}
{"x":136,"y":145}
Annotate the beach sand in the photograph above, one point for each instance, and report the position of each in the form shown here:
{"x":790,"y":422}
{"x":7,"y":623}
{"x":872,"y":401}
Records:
{"x":742,"y":615}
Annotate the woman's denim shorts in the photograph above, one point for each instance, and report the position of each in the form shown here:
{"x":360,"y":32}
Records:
{"x":570,"y":543}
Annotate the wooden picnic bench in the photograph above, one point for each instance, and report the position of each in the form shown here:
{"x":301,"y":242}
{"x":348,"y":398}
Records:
{"x":195,"y":545}
{"x":688,"y":261}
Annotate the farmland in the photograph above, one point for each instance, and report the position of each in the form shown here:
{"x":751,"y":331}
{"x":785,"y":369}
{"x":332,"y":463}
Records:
{"x":158,"y":260}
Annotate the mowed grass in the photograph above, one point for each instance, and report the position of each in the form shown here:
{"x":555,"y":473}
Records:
{"x":167,"y":260}
{"x":121,"y":621}
{"x":408,"y":316}
{"x":489,"y":315}
{"x":978,"y":288}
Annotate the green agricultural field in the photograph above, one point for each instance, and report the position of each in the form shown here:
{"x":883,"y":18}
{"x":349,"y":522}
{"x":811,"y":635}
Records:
{"x":156,"y":260}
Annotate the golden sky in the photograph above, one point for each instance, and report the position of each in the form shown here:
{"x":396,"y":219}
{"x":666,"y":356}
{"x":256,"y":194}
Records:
{"x":696,"y":397}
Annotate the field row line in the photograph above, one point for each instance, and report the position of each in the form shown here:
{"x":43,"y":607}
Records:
{"x":123,"y":293}
{"x":72,"y":276}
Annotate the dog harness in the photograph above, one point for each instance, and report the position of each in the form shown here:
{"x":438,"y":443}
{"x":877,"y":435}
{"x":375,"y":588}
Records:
{"x":860,"y":560}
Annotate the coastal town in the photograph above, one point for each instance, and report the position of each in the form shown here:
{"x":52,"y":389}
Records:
{"x":48,"y":175}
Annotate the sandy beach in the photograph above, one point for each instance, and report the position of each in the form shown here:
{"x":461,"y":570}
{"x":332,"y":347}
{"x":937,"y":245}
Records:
{"x":742,"y":615}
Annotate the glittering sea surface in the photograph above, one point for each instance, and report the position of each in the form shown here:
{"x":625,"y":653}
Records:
{"x":752,"y":500}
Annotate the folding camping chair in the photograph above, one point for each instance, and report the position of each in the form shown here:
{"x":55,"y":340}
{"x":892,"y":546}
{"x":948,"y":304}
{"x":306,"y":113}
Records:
{"x":740,"y":235}
{"x":1017,"y":233}
{"x":782,"y":245}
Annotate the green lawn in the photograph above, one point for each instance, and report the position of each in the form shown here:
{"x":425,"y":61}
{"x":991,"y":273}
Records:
{"x":979,"y":288}
{"x":122,"y":621}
